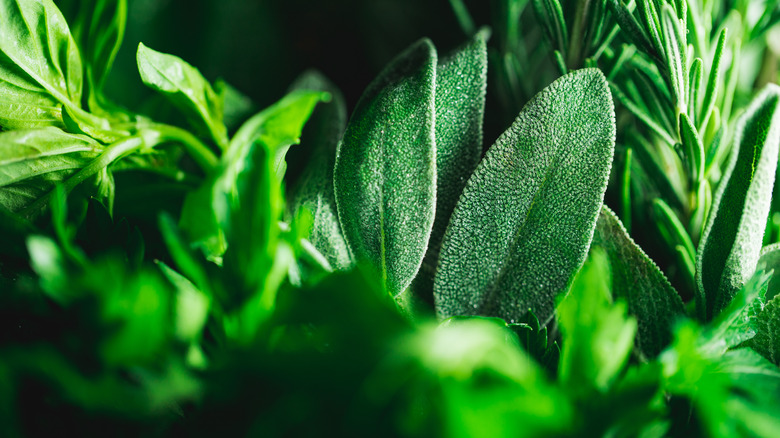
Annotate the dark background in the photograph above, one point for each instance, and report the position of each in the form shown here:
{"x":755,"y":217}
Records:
{"x":260,"y":46}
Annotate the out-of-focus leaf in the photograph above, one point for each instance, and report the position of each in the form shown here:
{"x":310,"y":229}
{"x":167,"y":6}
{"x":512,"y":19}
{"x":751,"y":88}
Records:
{"x":524,"y":223}
{"x":731,"y":243}
{"x":597,"y":334}
{"x":385,"y":174}
{"x":767,"y":339}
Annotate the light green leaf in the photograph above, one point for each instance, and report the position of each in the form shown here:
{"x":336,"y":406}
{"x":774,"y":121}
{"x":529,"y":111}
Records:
{"x":191,"y":306}
{"x":637,"y":280}
{"x":315,"y":188}
{"x":186,"y":88}
{"x":524,"y":223}
{"x":713,"y":80}
{"x":731,"y":242}
{"x":206,"y":211}
{"x":40,"y":66}
{"x":461,"y":80}
{"x":385,"y":175}
{"x":236,"y":107}
{"x":597,"y":334}
{"x":32,"y":160}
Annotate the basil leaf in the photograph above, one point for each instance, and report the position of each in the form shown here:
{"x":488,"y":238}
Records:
{"x":461,"y":80}
{"x":385,"y":174}
{"x":314,"y":190}
{"x":33,"y":160}
{"x":186,"y":88}
{"x":731,"y":243}
{"x":637,"y":280}
{"x":524,"y":223}
{"x":40,"y":66}
{"x":99,"y":27}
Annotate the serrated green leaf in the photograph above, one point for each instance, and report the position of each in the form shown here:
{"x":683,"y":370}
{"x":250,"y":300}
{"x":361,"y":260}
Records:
{"x":40,"y":66}
{"x":597,"y":334}
{"x":32,"y":160}
{"x":461,"y":80}
{"x":385,"y":175}
{"x":770,"y":261}
{"x":315,"y":187}
{"x":767,"y":339}
{"x":524,"y":223}
{"x":637,"y":280}
{"x":731,"y":243}
{"x":186,"y":88}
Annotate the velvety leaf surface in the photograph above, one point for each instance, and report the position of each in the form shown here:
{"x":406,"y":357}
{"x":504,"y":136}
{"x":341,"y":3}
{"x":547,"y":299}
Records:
{"x":637,"y":280}
{"x":40,"y":66}
{"x":525,"y":220}
{"x":767,"y":339}
{"x":731,"y":243}
{"x":461,"y":81}
{"x":385,"y":174}
{"x":186,"y":88}
{"x":31,"y":160}
{"x":314,"y":191}
{"x":770,"y":260}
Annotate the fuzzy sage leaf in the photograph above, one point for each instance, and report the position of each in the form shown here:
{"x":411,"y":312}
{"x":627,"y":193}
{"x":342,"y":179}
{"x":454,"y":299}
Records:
{"x":637,"y":280}
{"x":525,"y":220}
{"x":461,"y":80}
{"x":731,"y":243}
{"x":385,"y":175}
{"x":315,"y":188}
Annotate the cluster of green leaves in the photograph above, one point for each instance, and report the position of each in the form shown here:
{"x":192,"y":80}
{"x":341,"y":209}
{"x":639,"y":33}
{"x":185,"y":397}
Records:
{"x":156,"y":279}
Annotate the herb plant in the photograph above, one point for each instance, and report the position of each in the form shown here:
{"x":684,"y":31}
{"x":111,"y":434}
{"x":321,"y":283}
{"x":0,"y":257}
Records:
{"x":163,"y":272}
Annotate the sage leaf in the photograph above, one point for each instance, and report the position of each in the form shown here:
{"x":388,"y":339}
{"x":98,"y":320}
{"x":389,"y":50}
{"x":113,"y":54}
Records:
{"x":186,"y":88}
{"x":770,"y":261}
{"x":314,"y":191}
{"x":524,"y":223}
{"x":767,"y":339}
{"x":731,"y":243}
{"x":637,"y":280}
{"x":461,"y":80}
{"x":40,"y":66}
{"x":385,"y":174}
{"x":33,"y":160}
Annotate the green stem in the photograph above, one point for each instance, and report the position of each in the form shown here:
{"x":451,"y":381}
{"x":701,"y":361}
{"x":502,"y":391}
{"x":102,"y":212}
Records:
{"x":199,"y":152}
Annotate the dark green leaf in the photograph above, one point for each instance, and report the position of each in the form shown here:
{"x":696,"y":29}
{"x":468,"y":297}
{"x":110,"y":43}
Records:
{"x":524,"y":223}
{"x":770,"y":261}
{"x":637,"y":280}
{"x":731,"y":242}
{"x":767,"y":339}
{"x":186,"y":88}
{"x":40,"y":66}
{"x":315,"y":187}
{"x":460,"y":106}
{"x":385,"y":175}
